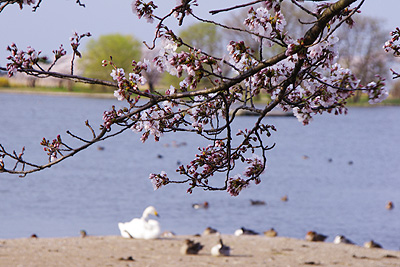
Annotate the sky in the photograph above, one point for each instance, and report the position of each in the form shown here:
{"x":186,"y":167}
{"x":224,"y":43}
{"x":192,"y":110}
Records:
{"x":56,"y":20}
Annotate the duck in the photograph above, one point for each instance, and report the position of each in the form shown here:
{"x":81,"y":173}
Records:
{"x":220,"y":249}
{"x":340,"y":239}
{"x":83,"y":233}
{"x":271,"y":233}
{"x":141,"y":228}
{"x":244,"y":231}
{"x":168,"y":234}
{"x":210,"y":231}
{"x":372,"y":244}
{"x":389,"y":205}
{"x":257,"y":202}
{"x":200,"y":206}
{"x":284,"y":198}
{"x":190,"y":247}
{"x":315,"y":237}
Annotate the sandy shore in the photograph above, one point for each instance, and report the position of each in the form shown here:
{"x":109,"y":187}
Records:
{"x":246,"y":251}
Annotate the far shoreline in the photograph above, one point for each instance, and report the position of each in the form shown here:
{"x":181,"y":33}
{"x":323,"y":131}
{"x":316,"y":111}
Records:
{"x":109,"y":95}
{"x":55,"y":93}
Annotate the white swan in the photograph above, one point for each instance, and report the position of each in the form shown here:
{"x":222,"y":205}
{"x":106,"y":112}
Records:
{"x":141,"y":228}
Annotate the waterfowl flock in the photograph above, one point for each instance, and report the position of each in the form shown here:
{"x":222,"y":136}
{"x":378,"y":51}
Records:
{"x":145,"y":228}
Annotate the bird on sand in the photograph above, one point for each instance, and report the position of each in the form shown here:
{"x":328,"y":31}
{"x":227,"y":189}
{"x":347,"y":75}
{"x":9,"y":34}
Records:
{"x":83,"y":233}
{"x":244,"y":231}
{"x":372,"y":244}
{"x":271,"y":233}
{"x":315,"y":237}
{"x":220,"y":249}
{"x":210,"y":231}
{"x":141,"y":228}
{"x":340,"y":239}
{"x":191,"y":247}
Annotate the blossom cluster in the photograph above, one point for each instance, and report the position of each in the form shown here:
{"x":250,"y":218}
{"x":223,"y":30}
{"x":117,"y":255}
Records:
{"x":236,"y":185}
{"x":264,"y":26}
{"x":391,"y":45}
{"x":206,"y":163}
{"x":241,"y":55}
{"x":183,"y":8}
{"x":145,"y":10}
{"x":75,"y":42}
{"x":273,"y":4}
{"x":26,"y":2}
{"x":22,"y":59}
{"x":127,"y":86}
{"x":255,"y":168}
{"x":110,"y":116}
{"x":376,"y":91}
{"x":191,"y":63}
{"x":158,"y":180}
{"x":52,"y":148}
{"x":58,"y":53}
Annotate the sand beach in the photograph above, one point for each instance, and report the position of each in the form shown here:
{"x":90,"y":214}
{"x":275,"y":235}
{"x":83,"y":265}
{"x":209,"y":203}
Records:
{"x":245,"y":251}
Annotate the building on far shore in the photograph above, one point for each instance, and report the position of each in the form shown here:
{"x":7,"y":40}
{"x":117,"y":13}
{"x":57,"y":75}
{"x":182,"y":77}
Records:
{"x":63,"y":65}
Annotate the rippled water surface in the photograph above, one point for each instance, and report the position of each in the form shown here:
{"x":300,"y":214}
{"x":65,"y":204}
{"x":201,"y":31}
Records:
{"x":96,"y":189}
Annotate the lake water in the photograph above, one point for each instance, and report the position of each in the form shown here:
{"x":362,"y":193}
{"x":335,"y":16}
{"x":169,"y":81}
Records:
{"x":96,"y":189}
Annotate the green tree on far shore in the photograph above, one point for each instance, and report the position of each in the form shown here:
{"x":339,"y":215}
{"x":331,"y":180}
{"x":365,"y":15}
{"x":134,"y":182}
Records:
{"x":122,"y":49}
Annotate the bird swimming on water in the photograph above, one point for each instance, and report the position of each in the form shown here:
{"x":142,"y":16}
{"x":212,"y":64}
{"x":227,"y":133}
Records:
{"x":284,"y":198}
{"x":389,"y":205}
{"x":200,"y":206}
{"x":257,"y":202}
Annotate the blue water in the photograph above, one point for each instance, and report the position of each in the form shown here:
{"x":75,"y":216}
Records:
{"x":96,"y":189}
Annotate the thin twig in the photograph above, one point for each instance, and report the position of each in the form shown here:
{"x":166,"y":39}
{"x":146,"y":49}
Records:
{"x":213,"y":12}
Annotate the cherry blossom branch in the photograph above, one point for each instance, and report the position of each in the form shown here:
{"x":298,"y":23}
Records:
{"x":304,"y":78}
